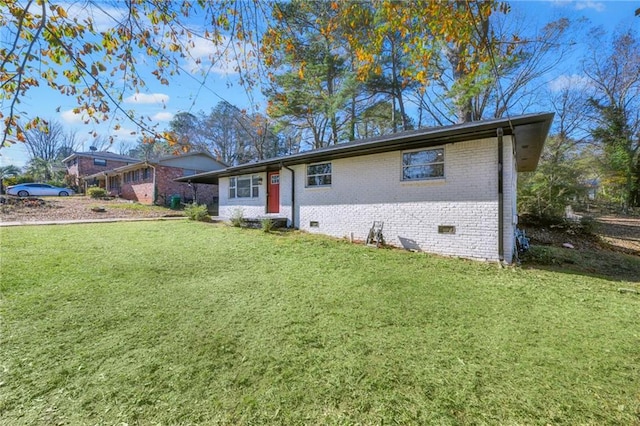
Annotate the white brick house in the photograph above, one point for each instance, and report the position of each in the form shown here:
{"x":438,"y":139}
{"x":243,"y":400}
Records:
{"x":448,"y":190}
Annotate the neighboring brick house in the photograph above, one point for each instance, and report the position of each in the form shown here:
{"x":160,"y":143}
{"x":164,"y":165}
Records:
{"x":82,"y":164}
{"x":448,"y":190}
{"x":153,"y":182}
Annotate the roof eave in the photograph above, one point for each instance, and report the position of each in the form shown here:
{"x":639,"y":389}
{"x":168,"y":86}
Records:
{"x":69,"y":158}
{"x":529,"y":131}
{"x":96,"y":175}
{"x":529,"y":142}
{"x":133,"y":166}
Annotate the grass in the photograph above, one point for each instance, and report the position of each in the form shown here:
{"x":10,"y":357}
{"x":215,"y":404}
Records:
{"x":133,"y":207}
{"x":598,"y":263}
{"x":193,"y":323}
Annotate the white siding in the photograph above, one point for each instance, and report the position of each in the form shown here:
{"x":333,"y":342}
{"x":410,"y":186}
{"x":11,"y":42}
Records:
{"x":255,"y":207}
{"x":194,"y":162}
{"x":369,"y":188}
{"x":285,"y":192}
{"x":248,"y":207}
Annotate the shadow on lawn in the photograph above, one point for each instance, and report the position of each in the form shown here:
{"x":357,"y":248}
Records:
{"x":611,"y":250}
{"x":600,"y":263}
{"x":592,"y":257}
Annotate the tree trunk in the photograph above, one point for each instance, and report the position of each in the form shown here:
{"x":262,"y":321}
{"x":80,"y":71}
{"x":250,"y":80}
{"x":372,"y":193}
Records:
{"x":352,"y":120}
{"x":396,"y":88}
{"x":463,"y":106}
{"x":634,"y":188}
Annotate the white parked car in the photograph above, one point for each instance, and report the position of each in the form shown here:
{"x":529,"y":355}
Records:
{"x":38,"y":190}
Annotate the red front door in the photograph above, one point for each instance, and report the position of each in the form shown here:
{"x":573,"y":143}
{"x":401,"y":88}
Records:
{"x":273,"y":192}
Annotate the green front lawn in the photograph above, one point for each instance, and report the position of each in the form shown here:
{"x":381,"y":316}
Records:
{"x":193,"y":323}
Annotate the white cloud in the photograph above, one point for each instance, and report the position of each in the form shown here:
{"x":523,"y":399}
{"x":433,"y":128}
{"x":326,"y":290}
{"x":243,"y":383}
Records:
{"x":78,"y":123}
{"x":71,"y":117}
{"x":561,"y":3}
{"x":574,"y":81}
{"x":14,"y":154}
{"x":581,"y":4}
{"x":147,"y":98}
{"x":589,"y":4}
{"x":202,"y":48}
{"x":103,"y":16}
{"x":124,"y":134}
{"x":219,"y":58}
{"x":162,"y":116}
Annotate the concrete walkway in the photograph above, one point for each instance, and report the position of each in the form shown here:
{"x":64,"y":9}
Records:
{"x":107,"y":220}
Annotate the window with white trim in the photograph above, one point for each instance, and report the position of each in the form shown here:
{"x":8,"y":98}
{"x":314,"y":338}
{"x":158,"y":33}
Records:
{"x":319,"y":174}
{"x":244,"y":186}
{"x":423,"y":164}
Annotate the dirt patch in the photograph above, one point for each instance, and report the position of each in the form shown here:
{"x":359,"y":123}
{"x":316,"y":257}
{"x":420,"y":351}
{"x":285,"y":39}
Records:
{"x":611,"y":250}
{"x":611,"y":232}
{"x":621,"y":233}
{"x":14,"y":209}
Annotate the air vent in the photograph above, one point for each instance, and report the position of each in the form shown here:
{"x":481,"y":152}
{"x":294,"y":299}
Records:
{"x":446,"y":229}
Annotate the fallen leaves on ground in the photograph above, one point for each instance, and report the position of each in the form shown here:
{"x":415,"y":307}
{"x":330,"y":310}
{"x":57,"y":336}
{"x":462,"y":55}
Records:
{"x":76,"y":208}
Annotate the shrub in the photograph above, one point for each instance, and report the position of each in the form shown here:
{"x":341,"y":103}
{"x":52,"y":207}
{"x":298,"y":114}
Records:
{"x":237,"y":219}
{"x":95,"y":192}
{"x":267,"y":224}
{"x":197,"y":212}
{"x":589,"y":225}
{"x":551,"y":256}
{"x":541,"y":255}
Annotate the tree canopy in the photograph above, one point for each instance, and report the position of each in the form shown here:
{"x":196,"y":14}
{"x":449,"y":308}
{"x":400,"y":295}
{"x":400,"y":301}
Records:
{"x":92,"y":51}
{"x":616,"y":103}
{"x":329,"y":72}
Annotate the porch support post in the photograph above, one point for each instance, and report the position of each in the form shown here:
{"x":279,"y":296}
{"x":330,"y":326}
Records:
{"x":293,"y":194}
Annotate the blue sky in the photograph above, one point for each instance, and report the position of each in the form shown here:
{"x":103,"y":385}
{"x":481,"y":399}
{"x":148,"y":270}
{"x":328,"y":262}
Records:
{"x":187,"y":93}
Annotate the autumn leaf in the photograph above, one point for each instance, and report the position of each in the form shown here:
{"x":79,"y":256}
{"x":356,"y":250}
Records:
{"x":61,"y":12}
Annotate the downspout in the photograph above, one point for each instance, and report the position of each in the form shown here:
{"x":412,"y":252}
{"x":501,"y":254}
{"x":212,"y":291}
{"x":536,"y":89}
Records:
{"x":155,"y":190}
{"x":293,"y":194}
{"x":500,"y":133}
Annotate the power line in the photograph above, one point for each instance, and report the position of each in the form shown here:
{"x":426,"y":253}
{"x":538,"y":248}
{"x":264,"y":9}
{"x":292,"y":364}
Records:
{"x":492,"y":60}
